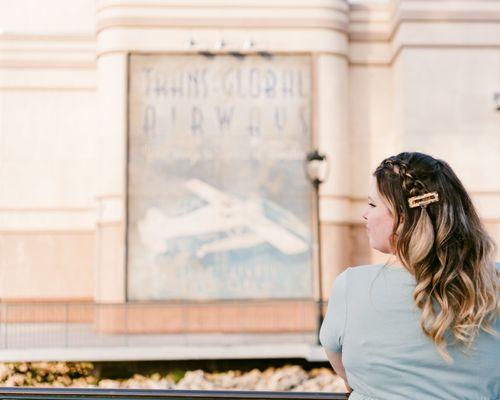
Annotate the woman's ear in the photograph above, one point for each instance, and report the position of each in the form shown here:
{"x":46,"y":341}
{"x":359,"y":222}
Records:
{"x":400,"y":225}
{"x":395,"y":237}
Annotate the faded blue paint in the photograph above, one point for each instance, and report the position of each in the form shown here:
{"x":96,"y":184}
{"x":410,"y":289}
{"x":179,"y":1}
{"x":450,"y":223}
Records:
{"x":218,"y":210}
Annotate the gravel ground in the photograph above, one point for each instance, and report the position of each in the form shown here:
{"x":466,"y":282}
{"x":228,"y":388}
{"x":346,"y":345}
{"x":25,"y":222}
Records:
{"x":287,"y":378}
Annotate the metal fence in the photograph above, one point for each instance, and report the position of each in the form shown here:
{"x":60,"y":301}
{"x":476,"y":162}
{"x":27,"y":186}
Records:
{"x":130,"y":394}
{"x":49,"y":325}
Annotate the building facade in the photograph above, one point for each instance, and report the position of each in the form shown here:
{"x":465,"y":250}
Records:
{"x":152,"y":152}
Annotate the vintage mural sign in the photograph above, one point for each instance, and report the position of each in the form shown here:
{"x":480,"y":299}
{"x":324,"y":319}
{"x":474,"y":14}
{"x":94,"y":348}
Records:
{"x":219,"y":206}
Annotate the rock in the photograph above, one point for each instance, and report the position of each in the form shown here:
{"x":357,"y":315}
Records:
{"x":320,"y":372}
{"x":322,"y":383}
{"x":156,"y":376}
{"x":285,"y":378}
{"x":5,"y":372}
{"x":109,"y":384}
{"x":249,"y":380}
{"x":87,"y":382}
{"x":22,"y":368}
{"x":194,"y":380}
{"x":15,"y":380}
{"x":160,"y":384}
{"x":132,"y":384}
{"x":64,"y":380}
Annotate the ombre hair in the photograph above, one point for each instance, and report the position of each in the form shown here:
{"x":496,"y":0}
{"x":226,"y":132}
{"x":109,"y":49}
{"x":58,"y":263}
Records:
{"x":444,"y":246}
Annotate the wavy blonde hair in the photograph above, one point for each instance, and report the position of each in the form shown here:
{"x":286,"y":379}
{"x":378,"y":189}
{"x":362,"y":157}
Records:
{"x":445,"y":246}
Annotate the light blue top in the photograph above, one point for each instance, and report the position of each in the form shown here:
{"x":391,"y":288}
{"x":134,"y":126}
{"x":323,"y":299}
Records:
{"x":373,"y":320}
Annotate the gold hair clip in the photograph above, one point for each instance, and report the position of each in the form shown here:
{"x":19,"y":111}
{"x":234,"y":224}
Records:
{"x":423,"y":200}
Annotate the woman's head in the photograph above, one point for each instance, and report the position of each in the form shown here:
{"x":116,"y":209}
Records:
{"x":407,"y":175}
{"x":442,"y":243}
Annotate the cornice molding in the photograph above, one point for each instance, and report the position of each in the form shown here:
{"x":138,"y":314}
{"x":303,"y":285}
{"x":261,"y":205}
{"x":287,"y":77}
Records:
{"x":379,"y":33}
{"x":363,"y":18}
{"x":47,"y":64}
{"x":45,"y":232}
{"x":223,"y":14}
{"x":395,"y":26}
{"x":47,"y":51}
{"x":46,"y":37}
{"x":220,"y":23}
{"x":337,"y":5}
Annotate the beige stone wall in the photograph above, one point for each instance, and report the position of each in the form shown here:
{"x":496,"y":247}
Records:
{"x":47,"y":150}
{"x":46,"y":265}
{"x":406,"y":75}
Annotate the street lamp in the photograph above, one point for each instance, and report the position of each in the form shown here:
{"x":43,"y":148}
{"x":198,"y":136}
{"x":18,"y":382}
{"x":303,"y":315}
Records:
{"x":317,"y":169}
{"x":496,"y":97}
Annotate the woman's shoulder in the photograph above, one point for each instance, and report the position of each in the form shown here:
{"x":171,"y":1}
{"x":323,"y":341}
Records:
{"x":365,"y":270}
{"x":363,"y":275}
{"x":356,"y":274}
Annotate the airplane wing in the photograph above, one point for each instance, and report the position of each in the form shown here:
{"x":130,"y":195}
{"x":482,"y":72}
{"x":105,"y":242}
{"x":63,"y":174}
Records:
{"x":252,"y":216}
{"x":211,"y":194}
{"x":277,"y":236}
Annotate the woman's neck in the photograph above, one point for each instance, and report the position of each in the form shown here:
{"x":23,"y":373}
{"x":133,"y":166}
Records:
{"x":394,"y":262}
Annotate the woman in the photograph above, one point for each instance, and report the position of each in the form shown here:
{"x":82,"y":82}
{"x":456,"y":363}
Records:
{"x":424,"y":325}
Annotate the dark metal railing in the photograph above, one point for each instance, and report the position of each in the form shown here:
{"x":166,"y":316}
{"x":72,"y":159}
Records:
{"x":24,"y":393}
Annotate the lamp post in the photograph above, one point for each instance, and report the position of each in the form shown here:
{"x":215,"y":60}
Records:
{"x":317,"y":171}
{"x":496,"y":97}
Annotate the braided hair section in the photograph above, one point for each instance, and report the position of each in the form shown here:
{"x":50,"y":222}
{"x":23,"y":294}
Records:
{"x":410,"y":184}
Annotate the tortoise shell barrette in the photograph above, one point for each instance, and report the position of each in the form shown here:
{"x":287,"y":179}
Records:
{"x":423,"y":200}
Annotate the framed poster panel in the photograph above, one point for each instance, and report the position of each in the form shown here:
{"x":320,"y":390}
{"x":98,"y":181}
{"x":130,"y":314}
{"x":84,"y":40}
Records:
{"x":219,"y":205}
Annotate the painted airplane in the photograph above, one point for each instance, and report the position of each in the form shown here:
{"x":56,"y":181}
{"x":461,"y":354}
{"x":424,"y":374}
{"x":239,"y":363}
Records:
{"x":227,"y":214}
